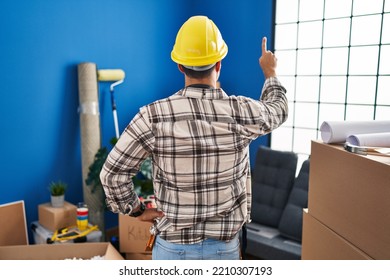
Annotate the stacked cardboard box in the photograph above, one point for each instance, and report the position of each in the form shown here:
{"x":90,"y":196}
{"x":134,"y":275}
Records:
{"x":348,"y":207}
{"x":55,"y":218}
{"x":320,"y":242}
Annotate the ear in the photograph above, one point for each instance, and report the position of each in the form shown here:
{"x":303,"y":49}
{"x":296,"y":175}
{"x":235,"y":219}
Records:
{"x":180,"y":67}
{"x":218,"y":66}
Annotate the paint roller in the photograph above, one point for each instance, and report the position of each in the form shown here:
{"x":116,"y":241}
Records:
{"x":116,"y":76}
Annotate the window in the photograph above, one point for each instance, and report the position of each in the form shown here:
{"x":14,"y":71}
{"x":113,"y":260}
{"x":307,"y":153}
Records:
{"x":333,"y":58}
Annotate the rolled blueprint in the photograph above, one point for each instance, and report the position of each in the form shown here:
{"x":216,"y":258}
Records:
{"x":90,"y":137}
{"x":338,"y":131}
{"x":370,"y":139}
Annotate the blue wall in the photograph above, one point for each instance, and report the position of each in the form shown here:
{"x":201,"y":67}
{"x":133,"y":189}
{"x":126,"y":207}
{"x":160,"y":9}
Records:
{"x":43,"y":41}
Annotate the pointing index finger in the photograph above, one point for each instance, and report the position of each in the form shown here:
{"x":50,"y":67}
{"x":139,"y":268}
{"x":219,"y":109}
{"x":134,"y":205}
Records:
{"x":264,"y":45}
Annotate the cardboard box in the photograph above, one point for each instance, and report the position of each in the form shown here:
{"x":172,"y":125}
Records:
{"x":42,"y":234}
{"x":350,"y":194}
{"x":13,"y":230}
{"x":138,"y":256}
{"x":321,"y":243}
{"x":56,"y":218}
{"x":83,"y":251}
{"x":133,"y":234}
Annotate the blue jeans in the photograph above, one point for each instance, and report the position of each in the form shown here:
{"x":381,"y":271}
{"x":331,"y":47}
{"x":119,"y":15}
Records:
{"x":209,"y":249}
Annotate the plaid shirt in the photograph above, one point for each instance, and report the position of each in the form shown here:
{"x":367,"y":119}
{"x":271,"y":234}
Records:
{"x":199,"y":142}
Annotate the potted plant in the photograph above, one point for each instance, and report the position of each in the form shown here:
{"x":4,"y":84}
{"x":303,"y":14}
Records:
{"x":143,"y":182}
{"x":57,"y":192}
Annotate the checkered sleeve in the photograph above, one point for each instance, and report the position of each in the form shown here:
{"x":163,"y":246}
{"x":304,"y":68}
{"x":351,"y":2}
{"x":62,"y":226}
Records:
{"x":123,"y":163}
{"x":260,"y":117}
{"x":275,"y":109}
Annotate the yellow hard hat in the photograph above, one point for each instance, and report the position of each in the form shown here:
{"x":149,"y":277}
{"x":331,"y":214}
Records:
{"x":199,"y":43}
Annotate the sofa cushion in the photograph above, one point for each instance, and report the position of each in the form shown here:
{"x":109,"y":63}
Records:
{"x":273,"y":177}
{"x":290,"y":224}
{"x":268,"y":244}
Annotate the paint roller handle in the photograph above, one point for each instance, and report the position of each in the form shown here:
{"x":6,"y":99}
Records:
{"x":113,"y":103}
{"x":115,"y":116}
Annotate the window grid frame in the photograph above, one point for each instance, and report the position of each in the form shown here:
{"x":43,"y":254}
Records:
{"x":293,"y":126}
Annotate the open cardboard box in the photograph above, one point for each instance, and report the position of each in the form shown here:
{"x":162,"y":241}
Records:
{"x":83,"y":251}
{"x":14,"y":242}
{"x":13,"y":230}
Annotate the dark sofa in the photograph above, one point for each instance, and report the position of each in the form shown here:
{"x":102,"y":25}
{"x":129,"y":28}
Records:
{"x":275,"y":232}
